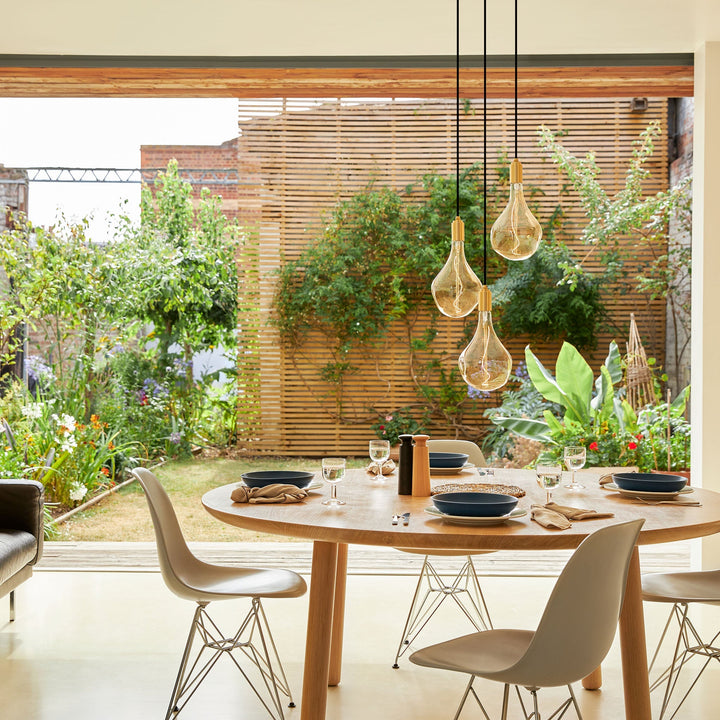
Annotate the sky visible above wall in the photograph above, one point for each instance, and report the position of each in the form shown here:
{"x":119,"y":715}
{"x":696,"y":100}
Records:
{"x":108,"y":133}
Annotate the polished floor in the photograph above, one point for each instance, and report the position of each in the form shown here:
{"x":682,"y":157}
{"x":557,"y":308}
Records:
{"x":90,"y":645}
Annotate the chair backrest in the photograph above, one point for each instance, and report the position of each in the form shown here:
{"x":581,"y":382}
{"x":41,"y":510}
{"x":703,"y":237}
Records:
{"x":474,"y":453}
{"x":176,"y":560}
{"x":580,"y":619}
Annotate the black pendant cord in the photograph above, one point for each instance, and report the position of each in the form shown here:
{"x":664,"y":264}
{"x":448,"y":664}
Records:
{"x":516,"y":78}
{"x":484,"y":142}
{"x":457,"y":108}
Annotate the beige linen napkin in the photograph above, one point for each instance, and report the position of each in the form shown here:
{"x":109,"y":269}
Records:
{"x":572,"y":513}
{"x":549,"y":518}
{"x":276,"y":493}
{"x":387,"y":468}
{"x":557,"y":516}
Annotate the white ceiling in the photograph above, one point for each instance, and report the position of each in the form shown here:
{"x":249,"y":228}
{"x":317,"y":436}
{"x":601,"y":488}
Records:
{"x":361,"y":27}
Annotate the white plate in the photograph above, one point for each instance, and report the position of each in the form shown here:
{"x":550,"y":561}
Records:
{"x":451,"y":471}
{"x":648,"y":494}
{"x":477,"y":521}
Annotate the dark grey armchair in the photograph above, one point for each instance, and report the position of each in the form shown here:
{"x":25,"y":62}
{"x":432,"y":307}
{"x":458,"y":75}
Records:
{"x":21,"y":533}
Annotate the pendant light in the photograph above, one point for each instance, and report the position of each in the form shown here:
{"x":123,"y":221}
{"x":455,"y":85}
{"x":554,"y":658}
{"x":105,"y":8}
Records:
{"x":516,"y":234}
{"x":455,"y":288}
{"x":485,"y":364}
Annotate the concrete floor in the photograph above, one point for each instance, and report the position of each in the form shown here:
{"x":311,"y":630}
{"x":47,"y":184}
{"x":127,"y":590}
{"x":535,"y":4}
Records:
{"x":89,"y":645}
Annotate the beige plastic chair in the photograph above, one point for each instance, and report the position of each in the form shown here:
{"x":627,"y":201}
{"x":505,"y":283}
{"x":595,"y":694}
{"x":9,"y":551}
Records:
{"x":192,"y":579}
{"x":682,"y":589}
{"x":574,"y":634}
{"x":432,"y":590}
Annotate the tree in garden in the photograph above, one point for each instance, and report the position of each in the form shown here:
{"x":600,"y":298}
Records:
{"x":630,"y":213}
{"x":182,"y":264}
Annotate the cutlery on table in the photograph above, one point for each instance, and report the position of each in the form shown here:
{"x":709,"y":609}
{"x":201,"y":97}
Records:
{"x":395,"y":519}
{"x":690,"y":503}
{"x":406,"y":518}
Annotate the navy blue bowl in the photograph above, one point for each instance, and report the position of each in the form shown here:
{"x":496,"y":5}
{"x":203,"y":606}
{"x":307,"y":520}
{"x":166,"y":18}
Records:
{"x":447,"y":459}
{"x":474,"y":504}
{"x":649,"y":482}
{"x":261,"y":478}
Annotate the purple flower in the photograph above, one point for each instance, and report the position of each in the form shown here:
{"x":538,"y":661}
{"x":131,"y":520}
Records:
{"x":475,"y":394}
{"x":175,"y":438}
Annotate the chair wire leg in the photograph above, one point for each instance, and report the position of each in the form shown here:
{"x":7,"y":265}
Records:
{"x":12,"y":606}
{"x":465,"y":590}
{"x":258,"y":646}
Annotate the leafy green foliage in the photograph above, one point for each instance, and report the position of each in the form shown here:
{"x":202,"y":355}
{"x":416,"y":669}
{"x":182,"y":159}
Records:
{"x":532,"y":300}
{"x":596,"y":416}
{"x":631,"y":212}
{"x":398,"y":422}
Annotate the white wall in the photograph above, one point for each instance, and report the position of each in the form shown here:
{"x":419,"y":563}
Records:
{"x":340,"y":27}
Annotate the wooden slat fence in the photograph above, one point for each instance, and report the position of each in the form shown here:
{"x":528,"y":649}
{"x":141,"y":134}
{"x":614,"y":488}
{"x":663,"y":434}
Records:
{"x":307,"y":154}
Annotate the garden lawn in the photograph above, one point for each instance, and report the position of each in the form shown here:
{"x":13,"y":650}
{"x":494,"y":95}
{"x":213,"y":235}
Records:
{"x":124,"y":515}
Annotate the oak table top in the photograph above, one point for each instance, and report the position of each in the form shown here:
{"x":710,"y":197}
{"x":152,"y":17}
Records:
{"x":366,"y":518}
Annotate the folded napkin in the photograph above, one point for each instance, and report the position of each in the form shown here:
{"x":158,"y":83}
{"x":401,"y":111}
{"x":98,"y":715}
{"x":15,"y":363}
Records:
{"x":387,"y":468}
{"x":549,"y":518}
{"x":572,"y":513}
{"x":557,"y":516}
{"x":276,"y":493}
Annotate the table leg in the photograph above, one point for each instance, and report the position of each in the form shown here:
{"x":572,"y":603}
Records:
{"x":593,"y":681}
{"x":319,"y":631}
{"x":338,"y":621}
{"x":632,"y":645}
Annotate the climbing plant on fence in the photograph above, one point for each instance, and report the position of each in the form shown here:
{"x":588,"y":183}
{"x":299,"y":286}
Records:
{"x":371,"y":268}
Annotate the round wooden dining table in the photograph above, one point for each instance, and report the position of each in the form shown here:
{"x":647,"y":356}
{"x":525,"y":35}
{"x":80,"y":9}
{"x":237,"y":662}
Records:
{"x":366,"y":519}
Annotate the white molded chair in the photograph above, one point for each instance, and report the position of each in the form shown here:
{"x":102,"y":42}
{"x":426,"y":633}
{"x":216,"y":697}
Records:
{"x":432,"y":590}
{"x":191,"y":579}
{"x":574,"y":634}
{"x":681,"y":589}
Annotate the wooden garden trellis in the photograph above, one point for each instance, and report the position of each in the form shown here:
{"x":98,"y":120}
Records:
{"x":306,"y":155}
{"x":640,"y":387}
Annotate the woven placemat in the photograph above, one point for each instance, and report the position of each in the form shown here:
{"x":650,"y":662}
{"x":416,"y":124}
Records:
{"x":513,"y":490}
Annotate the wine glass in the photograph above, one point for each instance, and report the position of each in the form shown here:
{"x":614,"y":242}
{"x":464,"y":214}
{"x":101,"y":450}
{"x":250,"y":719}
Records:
{"x":548,"y":478}
{"x":379,"y":453}
{"x":333,"y":471}
{"x":574,"y":459}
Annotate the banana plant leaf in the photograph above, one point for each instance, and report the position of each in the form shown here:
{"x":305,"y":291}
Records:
{"x":530,"y":429}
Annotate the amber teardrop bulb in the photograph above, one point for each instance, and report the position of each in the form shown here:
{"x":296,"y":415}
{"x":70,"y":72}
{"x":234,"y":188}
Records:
{"x":485,"y":364}
{"x":455,"y":288}
{"x":516,"y":234}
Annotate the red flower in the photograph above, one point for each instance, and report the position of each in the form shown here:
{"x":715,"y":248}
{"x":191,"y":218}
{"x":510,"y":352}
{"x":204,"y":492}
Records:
{"x":382,"y":427}
{"x":593,"y":446}
{"x":639,"y":437}
{"x":632,"y":446}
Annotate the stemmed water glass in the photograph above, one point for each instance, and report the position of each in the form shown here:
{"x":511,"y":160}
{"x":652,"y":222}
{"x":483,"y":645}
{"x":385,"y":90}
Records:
{"x":548,"y":478}
{"x":333,"y":471}
{"x":379,"y":452}
{"x":574,"y":460}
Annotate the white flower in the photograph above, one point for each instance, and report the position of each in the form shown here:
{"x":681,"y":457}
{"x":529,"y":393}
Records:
{"x":65,"y":422}
{"x":68,"y":444}
{"x":33,"y":411}
{"x":77,"y":491}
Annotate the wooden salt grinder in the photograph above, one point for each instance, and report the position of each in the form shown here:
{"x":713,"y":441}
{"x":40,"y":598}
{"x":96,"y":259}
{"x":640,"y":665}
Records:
{"x":421,"y":467}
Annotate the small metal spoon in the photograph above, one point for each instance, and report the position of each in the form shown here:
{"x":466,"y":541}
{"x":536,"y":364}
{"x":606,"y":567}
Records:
{"x":690,"y":503}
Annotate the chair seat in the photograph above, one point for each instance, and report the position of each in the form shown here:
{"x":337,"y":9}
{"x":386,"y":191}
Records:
{"x":17,"y":549}
{"x":485,"y":654}
{"x":443,"y":553}
{"x":220,"y":582}
{"x":683,"y":587}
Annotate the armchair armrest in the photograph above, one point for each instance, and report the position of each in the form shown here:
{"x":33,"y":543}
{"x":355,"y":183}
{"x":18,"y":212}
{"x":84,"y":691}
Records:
{"x":21,"y":508}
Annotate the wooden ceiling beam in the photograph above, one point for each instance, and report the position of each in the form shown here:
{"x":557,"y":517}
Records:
{"x":538,"y":82}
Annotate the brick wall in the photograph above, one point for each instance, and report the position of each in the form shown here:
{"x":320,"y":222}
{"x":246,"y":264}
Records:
{"x":206,"y":157}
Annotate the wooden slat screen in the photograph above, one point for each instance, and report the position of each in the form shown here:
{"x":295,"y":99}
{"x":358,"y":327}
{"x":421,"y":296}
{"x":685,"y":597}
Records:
{"x":308,"y":154}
